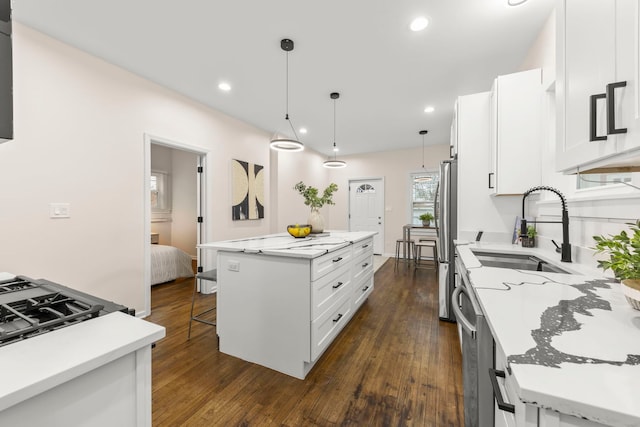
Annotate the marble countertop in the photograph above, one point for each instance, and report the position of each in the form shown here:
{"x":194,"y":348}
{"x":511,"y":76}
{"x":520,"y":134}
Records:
{"x":283,"y":244}
{"x":572,"y":341}
{"x":43,"y":362}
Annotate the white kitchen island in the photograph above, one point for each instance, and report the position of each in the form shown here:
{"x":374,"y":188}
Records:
{"x":282,"y":301}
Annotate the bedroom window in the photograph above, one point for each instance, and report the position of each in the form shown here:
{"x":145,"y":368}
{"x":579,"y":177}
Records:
{"x":160,"y":192}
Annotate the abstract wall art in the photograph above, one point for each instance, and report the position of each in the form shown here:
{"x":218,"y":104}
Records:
{"x":247,"y":181}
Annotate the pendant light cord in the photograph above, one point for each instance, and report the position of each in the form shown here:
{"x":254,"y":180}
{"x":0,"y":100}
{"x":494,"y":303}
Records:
{"x":286,"y":116}
{"x":334,"y":130}
{"x":422,"y":151}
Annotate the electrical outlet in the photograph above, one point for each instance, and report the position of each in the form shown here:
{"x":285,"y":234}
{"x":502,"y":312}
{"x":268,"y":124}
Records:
{"x":233,"y":265}
{"x":59,"y":210}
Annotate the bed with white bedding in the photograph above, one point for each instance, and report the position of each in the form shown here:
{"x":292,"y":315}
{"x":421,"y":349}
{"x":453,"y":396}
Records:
{"x":169,"y":263}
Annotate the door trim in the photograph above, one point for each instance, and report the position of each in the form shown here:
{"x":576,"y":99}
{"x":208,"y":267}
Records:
{"x":201,"y":230}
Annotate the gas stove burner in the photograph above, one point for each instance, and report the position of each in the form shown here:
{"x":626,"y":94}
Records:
{"x":16,"y":284}
{"x":29,"y":308}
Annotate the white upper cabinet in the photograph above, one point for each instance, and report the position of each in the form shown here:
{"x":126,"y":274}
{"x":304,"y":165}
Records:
{"x":597,"y":82}
{"x":515,"y":133}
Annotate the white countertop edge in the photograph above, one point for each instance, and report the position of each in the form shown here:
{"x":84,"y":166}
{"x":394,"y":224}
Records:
{"x":575,"y":408}
{"x":40,"y":363}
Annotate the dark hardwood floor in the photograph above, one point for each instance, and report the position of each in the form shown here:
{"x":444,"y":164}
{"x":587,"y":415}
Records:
{"x":394,"y":364}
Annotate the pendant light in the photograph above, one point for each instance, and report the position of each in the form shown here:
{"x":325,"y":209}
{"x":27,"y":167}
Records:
{"x":334,"y":163}
{"x":278,"y":142}
{"x":423,"y":133}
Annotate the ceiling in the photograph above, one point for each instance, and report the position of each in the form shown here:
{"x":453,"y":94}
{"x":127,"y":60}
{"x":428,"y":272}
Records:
{"x":385,"y":73}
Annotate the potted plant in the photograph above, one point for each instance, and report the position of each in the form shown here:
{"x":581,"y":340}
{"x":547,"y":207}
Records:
{"x":624,"y":260}
{"x":426,"y":218}
{"x":529,"y":241}
{"x":313,"y":199}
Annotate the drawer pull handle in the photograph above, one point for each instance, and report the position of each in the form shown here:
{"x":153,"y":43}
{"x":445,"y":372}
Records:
{"x":365,"y":289}
{"x":365,"y":246}
{"x":507,"y":407}
{"x":337,"y":259}
{"x":337,"y":318}
{"x":365,"y":265}
{"x":338,"y":285}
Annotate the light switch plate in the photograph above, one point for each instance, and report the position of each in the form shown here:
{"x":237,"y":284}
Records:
{"x":59,"y":210}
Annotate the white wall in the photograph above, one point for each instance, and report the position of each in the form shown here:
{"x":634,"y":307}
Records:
{"x":184,"y":201}
{"x":79,"y":138}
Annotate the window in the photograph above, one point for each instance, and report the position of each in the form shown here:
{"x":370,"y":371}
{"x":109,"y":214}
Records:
{"x":424,"y":186}
{"x":160,"y":192}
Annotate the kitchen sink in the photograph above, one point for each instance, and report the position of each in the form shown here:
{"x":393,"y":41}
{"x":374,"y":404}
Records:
{"x":516,"y":262}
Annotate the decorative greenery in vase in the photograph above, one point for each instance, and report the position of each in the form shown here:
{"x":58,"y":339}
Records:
{"x":311,"y":197}
{"x":426,"y":218}
{"x":529,"y":241}
{"x":315,"y":201}
{"x":624,"y":260}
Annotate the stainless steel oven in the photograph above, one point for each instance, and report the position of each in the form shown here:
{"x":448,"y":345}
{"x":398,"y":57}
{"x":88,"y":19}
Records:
{"x":477,"y":353}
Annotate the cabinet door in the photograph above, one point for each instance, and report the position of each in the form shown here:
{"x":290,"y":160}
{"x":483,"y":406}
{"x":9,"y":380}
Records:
{"x":516,"y":135}
{"x":628,"y":70}
{"x":598,"y":44}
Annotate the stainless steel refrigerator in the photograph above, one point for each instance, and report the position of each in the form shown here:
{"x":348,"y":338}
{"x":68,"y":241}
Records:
{"x":447,"y":228}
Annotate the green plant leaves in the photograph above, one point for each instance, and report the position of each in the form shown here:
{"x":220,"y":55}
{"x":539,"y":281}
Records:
{"x":623,"y":250}
{"x":311,"y":197}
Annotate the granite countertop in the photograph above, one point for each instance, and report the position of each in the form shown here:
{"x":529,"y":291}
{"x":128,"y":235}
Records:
{"x":572,"y":341}
{"x":283,"y":244}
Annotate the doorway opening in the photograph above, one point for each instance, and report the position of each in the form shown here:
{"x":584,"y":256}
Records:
{"x":174,"y":218}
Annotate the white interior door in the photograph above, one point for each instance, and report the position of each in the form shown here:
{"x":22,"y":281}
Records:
{"x":366,"y":209}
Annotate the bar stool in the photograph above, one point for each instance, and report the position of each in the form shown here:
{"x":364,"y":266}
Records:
{"x":432,"y":262}
{"x":207,"y":275}
{"x":412,"y":249}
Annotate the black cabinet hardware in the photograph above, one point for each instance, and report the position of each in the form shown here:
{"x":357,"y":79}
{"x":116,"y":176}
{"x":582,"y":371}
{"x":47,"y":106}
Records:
{"x":593,"y":117}
{"x":490,"y":175}
{"x":338,"y":285}
{"x":507,"y":407}
{"x":337,"y":259}
{"x":365,"y":289}
{"x":337,"y":318}
{"x":611,"y":108}
{"x":365,"y":265}
{"x":366,"y":246}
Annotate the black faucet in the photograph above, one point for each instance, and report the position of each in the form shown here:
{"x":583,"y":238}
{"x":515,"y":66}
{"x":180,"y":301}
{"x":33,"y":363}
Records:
{"x":565,"y":250}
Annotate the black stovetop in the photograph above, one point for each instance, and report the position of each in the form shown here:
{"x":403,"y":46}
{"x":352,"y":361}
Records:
{"x":32,"y":307}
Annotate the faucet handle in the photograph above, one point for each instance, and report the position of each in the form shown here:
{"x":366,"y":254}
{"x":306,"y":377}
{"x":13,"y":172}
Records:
{"x":558,"y":249}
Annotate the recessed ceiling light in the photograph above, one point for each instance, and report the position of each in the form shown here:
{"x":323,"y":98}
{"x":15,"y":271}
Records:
{"x":303,"y":130}
{"x":224,"y":86}
{"x":419,"y":24}
{"x":429,"y":109}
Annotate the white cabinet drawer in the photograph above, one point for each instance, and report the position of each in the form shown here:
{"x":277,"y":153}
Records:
{"x":327,"y":326}
{"x":364,"y":246}
{"x":362,"y":267}
{"x":328,"y":289}
{"x":361,"y":291}
{"x":330,"y":262}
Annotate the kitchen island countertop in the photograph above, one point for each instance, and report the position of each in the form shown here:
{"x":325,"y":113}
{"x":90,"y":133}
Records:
{"x":282,"y":244}
{"x":572,"y":341}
